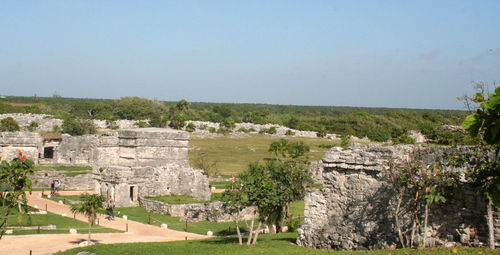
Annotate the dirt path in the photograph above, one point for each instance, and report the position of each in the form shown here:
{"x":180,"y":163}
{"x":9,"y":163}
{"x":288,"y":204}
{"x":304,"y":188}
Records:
{"x":50,"y":243}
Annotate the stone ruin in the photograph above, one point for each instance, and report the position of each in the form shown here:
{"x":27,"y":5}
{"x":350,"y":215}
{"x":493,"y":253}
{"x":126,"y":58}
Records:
{"x":127,"y":165}
{"x":149,"y":162}
{"x":355,"y":207}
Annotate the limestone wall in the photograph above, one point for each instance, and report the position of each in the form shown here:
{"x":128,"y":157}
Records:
{"x":355,"y":207}
{"x":195,"y":212}
{"x":29,"y":143}
{"x":42,"y":179}
{"x":150,"y":162}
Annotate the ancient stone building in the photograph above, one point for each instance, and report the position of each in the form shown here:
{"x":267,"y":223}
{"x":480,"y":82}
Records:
{"x":149,"y":162}
{"x":355,"y":207}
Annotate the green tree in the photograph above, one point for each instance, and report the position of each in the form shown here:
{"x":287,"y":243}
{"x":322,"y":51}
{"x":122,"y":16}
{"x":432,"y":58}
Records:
{"x":74,"y":126}
{"x":234,"y":201}
{"x":9,"y":124}
{"x":485,"y":171}
{"x":91,"y":204}
{"x":13,"y":180}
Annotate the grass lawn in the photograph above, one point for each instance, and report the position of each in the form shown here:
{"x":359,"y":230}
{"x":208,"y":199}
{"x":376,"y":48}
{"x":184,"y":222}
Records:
{"x":221,"y":185}
{"x":283,"y":243}
{"x":63,"y":224}
{"x":234,"y":154}
{"x":63,"y":168}
{"x":140,"y":214}
{"x":63,"y":198}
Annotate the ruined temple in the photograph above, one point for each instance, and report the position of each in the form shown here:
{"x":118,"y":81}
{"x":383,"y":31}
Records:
{"x":127,"y":165}
{"x":150,"y":162}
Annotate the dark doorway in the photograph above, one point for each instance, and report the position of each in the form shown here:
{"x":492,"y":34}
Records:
{"x":132,"y":193}
{"x":48,"y":152}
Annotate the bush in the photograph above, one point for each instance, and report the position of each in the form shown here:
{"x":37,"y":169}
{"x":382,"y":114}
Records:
{"x":272,"y":131}
{"x":33,"y":126}
{"x":9,"y":124}
{"x":212,"y":130}
{"x":289,"y":132}
{"x":190,"y":127}
{"x":141,"y":124}
{"x":56,"y":129}
{"x":403,"y":139}
{"x":74,"y":126}
{"x":345,"y":142}
{"x":223,"y":131}
{"x":292,"y":224}
{"x":243,"y":130}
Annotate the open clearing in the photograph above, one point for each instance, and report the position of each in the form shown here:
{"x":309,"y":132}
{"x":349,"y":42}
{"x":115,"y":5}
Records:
{"x":233,"y":154}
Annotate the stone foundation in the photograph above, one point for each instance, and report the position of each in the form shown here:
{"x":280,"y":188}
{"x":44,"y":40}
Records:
{"x":195,"y":212}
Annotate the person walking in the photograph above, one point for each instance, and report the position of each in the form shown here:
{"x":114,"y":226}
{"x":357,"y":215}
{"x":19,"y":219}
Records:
{"x":110,"y":205}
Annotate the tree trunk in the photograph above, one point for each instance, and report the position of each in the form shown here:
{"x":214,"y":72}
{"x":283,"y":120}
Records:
{"x":425,"y":223}
{"x":240,"y":239}
{"x":412,"y":236}
{"x":4,"y":221}
{"x":250,"y":230}
{"x":491,"y":227}
{"x":257,"y":232}
{"x":90,"y":227}
{"x":398,"y":224}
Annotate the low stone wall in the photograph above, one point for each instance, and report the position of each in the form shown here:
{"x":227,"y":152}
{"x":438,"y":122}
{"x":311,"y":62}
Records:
{"x":195,"y":212}
{"x":43,"y":178}
{"x":355,"y":207}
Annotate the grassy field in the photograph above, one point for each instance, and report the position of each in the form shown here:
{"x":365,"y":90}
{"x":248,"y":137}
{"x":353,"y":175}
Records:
{"x":283,"y":243}
{"x":63,"y":168}
{"x":63,"y":224}
{"x":234,"y":154}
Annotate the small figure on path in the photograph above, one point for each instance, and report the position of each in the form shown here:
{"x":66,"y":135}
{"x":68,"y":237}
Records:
{"x":110,"y":205}
{"x":52,"y":187}
{"x":57,"y":185}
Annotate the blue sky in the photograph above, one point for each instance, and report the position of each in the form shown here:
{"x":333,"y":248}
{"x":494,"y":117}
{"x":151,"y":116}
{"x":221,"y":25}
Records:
{"x":412,"y":54}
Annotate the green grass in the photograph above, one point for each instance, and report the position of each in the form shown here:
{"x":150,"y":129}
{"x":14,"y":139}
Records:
{"x":278,"y":244}
{"x":63,"y":168}
{"x":221,"y":185}
{"x":234,"y":154}
{"x":63,"y":224}
{"x":63,"y":198}
{"x":75,"y":173}
{"x":178,"y":199}
{"x":140,"y":214}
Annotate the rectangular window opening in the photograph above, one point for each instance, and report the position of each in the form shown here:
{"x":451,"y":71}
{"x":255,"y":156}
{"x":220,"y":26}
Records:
{"x":48,"y":152}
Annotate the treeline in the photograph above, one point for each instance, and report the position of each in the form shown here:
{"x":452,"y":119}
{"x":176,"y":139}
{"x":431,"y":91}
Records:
{"x":378,"y":124}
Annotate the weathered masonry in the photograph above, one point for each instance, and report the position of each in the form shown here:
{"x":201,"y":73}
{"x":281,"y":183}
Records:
{"x":355,"y":207}
{"x":150,"y":162}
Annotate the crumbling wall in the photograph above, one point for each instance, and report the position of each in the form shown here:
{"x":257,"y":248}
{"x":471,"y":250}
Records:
{"x":30,"y":144}
{"x":150,"y":162}
{"x":355,"y":207}
{"x":213,"y":211}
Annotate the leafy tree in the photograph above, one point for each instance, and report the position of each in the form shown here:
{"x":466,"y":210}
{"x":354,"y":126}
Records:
{"x":228,"y":123}
{"x":13,"y":180}
{"x":9,"y":124}
{"x":91,"y":204}
{"x":137,"y":108}
{"x":485,"y":171}
{"x":272,"y":186}
{"x":234,"y":201}
{"x":74,"y":126}
{"x":177,"y":121}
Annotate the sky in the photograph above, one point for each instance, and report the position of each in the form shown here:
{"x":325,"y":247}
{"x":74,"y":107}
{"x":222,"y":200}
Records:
{"x":403,"y":54}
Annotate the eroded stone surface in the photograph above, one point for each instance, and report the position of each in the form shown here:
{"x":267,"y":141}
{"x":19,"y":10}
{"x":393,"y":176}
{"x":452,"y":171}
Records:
{"x":355,"y":207}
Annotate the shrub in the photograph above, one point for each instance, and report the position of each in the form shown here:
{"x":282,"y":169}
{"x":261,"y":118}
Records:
{"x":9,"y":124}
{"x":292,"y":224}
{"x":141,"y":124}
{"x":403,"y":139}
{"x":289,"y":132}
{"x":243,"y":130}
{"x":74,"y":126}
{"x":345,"y":142}
{"x":56,"y":129}
{"x":33,"y":126}
{"x":190,"y":127}
{"x":272,"y":131}
{"x":212,"y":130}
{"x":223,"y":131}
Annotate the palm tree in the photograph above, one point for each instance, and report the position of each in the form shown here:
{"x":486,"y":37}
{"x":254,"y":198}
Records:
{"x":89,"y":207}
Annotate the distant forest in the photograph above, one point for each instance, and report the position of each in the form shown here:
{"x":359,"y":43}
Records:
{"x":378,"y":124}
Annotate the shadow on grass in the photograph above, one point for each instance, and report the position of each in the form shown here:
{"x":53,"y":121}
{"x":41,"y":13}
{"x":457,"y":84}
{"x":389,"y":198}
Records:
{"x":83,"y":240}
{"x":286,"y":239}
{"x":221,"y":240}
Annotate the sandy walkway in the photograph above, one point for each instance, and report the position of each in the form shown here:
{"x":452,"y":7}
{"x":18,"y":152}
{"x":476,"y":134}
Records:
{"x":50,"y":243}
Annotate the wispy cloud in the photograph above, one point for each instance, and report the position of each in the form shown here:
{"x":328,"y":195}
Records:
{"x":430,"y":55}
